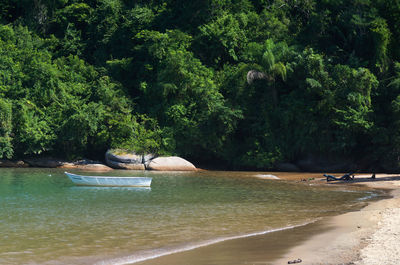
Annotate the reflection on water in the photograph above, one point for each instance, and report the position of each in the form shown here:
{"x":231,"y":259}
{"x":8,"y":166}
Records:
{"x":97,"y":188}
{"x":44,"y":219}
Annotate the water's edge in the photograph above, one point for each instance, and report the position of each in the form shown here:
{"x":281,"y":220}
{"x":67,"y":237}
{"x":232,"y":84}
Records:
{"x":157,"y":253}
{"x":302,"y":233}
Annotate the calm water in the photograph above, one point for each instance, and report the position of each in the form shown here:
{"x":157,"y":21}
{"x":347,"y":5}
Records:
{"x":44,"y":219}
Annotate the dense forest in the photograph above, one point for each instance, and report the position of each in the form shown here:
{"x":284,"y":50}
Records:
{"x":239,"y":83}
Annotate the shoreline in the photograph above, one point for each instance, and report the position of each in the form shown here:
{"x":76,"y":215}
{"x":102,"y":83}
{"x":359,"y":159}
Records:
{"x":364,"y":237}
{"x":148,"y":257}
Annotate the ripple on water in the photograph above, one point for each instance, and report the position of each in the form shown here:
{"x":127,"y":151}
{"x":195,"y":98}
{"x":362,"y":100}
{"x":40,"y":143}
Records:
{"x":45,"y":218}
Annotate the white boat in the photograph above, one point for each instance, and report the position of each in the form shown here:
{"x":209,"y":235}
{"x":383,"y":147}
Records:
{"x":109,"y":181}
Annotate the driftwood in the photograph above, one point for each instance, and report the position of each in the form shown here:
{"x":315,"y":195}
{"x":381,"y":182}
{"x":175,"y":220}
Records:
{"x":347,"y":177}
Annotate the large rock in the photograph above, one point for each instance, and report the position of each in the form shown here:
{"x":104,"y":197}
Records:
{"x":147,"y":158}
{"x":11,"y":163}
{"x":121,"y":159}
{"x":120,"y":165}
{"x":170,"y":163}
{"x":124,"y":157}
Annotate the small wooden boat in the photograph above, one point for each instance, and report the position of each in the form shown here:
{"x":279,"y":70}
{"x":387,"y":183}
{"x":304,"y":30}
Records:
{"x":109,"y":181}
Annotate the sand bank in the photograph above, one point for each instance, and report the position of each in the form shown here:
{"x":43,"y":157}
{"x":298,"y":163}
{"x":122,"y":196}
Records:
{"x":362,"y":237}
{"x":366,"y":237}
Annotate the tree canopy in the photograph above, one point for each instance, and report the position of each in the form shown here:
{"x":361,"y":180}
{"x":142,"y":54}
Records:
{"x":246,"y":84}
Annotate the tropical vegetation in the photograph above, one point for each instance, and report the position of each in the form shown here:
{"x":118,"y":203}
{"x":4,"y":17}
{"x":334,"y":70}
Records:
{"x":246,"y":84}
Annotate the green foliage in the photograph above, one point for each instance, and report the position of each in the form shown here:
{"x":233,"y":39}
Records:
{"x":186,"y":96}
{"x":62,"y":105}
{"x":76,"y":14}
{"x":220,"y":40}
{"x":33,"y":133}
{"x":381,"y":37}
{"x":246,"y":83}
{"x":6,"y":148}
{"x":140,"y":134}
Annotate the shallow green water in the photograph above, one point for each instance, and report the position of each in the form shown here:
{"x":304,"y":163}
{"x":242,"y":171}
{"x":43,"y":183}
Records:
{"x":44,"y":219}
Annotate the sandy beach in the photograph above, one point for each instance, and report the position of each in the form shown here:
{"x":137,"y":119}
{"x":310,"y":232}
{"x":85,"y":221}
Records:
{"x":366,"y":237}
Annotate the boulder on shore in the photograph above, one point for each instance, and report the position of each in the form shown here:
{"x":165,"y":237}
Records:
{"x":147,"y":158}
{"x":121,"y":159}
{"x":122,"y":156}
{"x":121,"y":165}
{"x":170,"y":163}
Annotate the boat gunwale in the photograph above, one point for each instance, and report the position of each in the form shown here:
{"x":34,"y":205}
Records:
{"x":106,"y":176}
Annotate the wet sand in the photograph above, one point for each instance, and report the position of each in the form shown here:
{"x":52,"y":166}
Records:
{"x":250,"y":250}
{"x":368,"y":236}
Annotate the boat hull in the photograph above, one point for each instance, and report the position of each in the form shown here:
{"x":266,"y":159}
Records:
{"x":109,"y":181}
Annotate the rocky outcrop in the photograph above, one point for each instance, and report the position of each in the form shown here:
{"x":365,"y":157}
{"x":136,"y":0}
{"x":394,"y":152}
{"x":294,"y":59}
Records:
{"x":170,"y":163}
{"x":147,"y":158}
{"x":11,"y":163}
{"x":121,"y":165}
{"x":124,"y":157}
{"x":121,"y":159}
